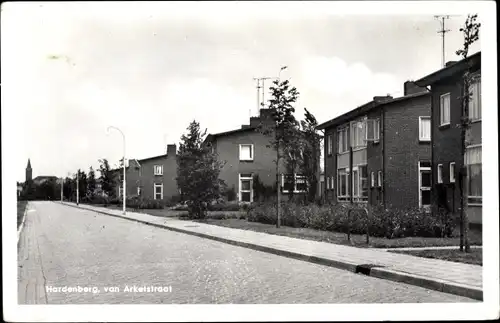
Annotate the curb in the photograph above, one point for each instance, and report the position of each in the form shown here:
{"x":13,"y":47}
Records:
{"x":22,"y":223}
{"x":377,"y":272}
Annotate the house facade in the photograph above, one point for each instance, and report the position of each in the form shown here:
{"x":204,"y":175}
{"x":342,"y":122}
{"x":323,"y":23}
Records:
{"x":446,"y":86}
{"x":245,"y":154}
{"x":153,"y":178}
{"x":392,"y":167}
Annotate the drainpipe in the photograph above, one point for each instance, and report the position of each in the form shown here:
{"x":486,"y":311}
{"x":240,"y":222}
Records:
{"x":383,"y":157}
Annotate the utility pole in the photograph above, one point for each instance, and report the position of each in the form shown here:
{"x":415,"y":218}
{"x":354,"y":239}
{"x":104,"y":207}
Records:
{"x":443,"y":31}
{"x":77,"y":187}
{"x":62,"y":182}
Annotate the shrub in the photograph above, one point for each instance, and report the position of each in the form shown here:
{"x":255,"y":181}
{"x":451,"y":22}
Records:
{"x":224,"y":207}
{"x":173,"y":201}
{"x":230,"y":194}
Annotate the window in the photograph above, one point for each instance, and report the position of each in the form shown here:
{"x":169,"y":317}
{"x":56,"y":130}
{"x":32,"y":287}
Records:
{"x":379,"y":178}
{"x":452,"y":172}
{"x":139,"y":191}
{"x":332,"y":184}
{"x":440,"y":173}
{"x":424,"y":129}
{"x":328,"y":183}
{"x":373,"y":179}
{"x":342,"y":137}
{"x":424,"y":183}
{"x":358,"y":133}
{"x":343,"y":185}
{"x":246,"y":188}
{"x":444,"y":109}
{"x":246,"y":152}
{"x":158,"y":169}
{"x":158,"y":191}
{"x":376,"y":130}
{"x":293,"y":183}
{"x":475,"y":100}
{"x":473,"y":161}
{"x":330,"y":144}
{"x":363,"y":183}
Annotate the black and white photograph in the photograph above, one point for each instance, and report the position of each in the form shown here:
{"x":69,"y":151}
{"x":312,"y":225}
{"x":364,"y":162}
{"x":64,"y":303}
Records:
{"x":249,"y":161}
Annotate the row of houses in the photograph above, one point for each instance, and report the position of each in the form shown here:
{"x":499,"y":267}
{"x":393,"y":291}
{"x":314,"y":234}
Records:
{"x":403,"y":151}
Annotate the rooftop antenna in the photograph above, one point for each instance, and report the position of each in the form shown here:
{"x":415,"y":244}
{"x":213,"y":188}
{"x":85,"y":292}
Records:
{"x":443,"y":31}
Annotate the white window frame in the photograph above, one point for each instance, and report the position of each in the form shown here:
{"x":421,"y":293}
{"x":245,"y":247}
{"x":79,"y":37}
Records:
{"x":342,"y":136}
{"x":240,"y":190}
{"x":357,"y":136}
{"x":138,"y":191}
{"x":420,"y":137}
{"x":440,"y":173}
{"x":476,"y":197}
{"x":379,"y":178}
{"x":345,"y":173}
{"x":332,"y":184}
{"x":475,"y":117}
{"x":328,"y":183}
{"x":251,"y":152}
{"x":330,"y":145}
{"x":376,"y":130}
{"x":295,"y":190}
{"x":158,"y":170}
{"x":155,"y":185}
{"x":358,"y":196}
{"x":443,"y":122}
{"x":452,"y":172}
{"x":426,"y":188}
{"x":372,"y":181}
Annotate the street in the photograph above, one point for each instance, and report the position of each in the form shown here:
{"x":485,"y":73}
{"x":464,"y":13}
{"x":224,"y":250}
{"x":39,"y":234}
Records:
{"x":116,"y":261}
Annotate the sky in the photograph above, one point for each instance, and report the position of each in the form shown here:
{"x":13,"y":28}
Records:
{"x":70,"y":70}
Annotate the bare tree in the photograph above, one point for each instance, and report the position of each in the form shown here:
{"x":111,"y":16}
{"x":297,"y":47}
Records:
{"x":471,"y":34}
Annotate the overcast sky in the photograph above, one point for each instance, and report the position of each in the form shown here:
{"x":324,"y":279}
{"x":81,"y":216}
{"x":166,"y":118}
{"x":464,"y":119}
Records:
{"x":152,"y":69}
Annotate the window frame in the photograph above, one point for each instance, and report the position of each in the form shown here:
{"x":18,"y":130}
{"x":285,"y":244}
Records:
{"x":295,"y":177}
{"x":474,"y":200}
{"x":155,"y":185}
{"x":439,"y":174}
{"x":442,"y":122}
{"x":329,"y":145}
{"x":252,"y":155}
{"x":343,"y":173}
{"x":344,"y":139}
{"x":241,"y":178}
{"x":420,"y":137}
{"x":476,"y":81}
{"x":421,"y":188}
{"x":372,"y":179}
{"x":158,"y":173}
{"x":376,"y":130}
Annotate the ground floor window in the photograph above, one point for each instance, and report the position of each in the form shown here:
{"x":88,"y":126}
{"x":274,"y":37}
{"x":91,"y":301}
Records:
{"x":473,"y":161}
{"x":158,"y":191}
{"x":245,"y":188}
{"x":425,"y":184}
{"x":293,"y":183}
{"x":343,"y":184}
{"x":359,"y":184}
{"x":139,"y":191}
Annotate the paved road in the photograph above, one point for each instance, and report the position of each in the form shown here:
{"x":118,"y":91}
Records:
{"x":63,"y":246}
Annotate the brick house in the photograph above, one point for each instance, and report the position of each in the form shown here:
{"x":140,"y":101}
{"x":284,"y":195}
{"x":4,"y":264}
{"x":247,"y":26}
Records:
{"x":446,"y":86}
{"x":394,"y":168}
{"x":152,"y":178}
{"x":245,"y":154}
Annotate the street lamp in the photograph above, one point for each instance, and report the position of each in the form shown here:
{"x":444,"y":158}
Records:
{"x":124,"y":167}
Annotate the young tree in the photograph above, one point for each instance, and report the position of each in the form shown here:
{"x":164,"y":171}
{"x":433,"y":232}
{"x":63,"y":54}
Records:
{"x":91,"y":182}
{"x":311,"y":152}
{"x":283,"y":131}
{"x":471,"y":34}
{"x":107,"y":177}
{"x":198,"y":172}
{"x":82,"y":184}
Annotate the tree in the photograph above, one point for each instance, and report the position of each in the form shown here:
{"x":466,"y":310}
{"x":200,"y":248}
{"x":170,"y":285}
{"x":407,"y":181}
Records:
{"x":69,"y":188}
{"x":311,"y":152}
{"x":82,"y":184}
{"x":283,"y":131}
{"x":91,"y":182}
{"x":471,"y":34}
{"x":198,"y":172}
{"x":107,"y":177}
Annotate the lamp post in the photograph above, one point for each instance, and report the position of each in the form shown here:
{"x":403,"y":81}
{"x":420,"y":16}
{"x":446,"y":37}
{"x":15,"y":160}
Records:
{"x":124,"y":169}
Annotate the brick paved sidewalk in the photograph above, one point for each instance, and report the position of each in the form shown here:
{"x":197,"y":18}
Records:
{"x":445,"y":276}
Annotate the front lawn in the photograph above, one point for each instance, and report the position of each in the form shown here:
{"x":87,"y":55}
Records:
{"x":21,"y":207}
{"x":357,"y":240}
{"x":475,"y":257}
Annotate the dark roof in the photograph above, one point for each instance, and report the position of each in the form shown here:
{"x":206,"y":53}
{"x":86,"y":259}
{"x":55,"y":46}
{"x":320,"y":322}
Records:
{"x":210,"y":137}
{"x":140,"y":161}
{"x":365,"y":108}
{"x":450,"y":70}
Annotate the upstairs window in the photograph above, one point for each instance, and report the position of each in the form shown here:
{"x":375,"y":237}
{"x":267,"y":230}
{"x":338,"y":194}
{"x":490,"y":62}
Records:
{"x":475,"y":100}
{"x":246,"y":152}
{"x":452,"y":172}
{"x":444,"y":109}
{"x":342,"y":140}
{"x":330,"y":144}
{"x":440,"y":174}
{"x":158,"y":169}
{"x":424,"y":129}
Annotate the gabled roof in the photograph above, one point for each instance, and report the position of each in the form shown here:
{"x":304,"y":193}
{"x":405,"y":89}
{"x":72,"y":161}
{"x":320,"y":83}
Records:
{"x":450,"y":70}
{"x":365,"y":108}
{"x":210,"y":137}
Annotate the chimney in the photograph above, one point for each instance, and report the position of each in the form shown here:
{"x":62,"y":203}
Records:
{"x":411,"y":88}
{"x":449,"y":63}
{"x":382,"y":99}
{"x":171,"y":150}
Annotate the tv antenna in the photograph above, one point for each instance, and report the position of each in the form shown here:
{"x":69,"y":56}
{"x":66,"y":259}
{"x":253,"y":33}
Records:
{"x":443,"y":31}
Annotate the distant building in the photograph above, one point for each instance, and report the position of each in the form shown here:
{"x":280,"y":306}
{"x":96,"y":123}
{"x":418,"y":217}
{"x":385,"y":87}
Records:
{"x":29,"y":172}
